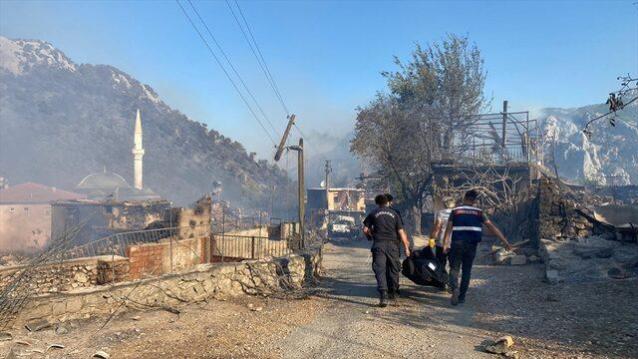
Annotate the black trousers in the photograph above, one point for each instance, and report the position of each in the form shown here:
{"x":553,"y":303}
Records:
{"x":441,"y":256}
{"x":386,"y":264}
{"x":461,"y":255}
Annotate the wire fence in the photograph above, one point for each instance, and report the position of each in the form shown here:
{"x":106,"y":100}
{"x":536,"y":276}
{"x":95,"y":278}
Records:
{"x":55,"y":268}
{"x":147,"y":253}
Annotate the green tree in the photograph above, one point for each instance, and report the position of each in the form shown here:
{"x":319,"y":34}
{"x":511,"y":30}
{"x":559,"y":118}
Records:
{"x":425,"y":117}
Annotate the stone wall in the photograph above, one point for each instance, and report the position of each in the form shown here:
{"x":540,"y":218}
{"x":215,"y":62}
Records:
{"x":557,"y":214}
{"x":207,"y":281}
{"x":193,"y":222}
{"x":67,"y":275}
{"x":142,"y":260}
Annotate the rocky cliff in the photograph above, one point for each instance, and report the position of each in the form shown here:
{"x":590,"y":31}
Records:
{"x":608,"y":157}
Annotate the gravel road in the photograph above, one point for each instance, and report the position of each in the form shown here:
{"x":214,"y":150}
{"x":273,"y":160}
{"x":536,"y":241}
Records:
{"x":420,"y":324}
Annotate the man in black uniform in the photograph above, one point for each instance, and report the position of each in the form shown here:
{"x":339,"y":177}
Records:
{"x":390,"y":200}
{"x":384,"y":227}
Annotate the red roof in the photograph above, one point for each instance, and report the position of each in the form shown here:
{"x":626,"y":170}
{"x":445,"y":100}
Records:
{"x":35,"y":193}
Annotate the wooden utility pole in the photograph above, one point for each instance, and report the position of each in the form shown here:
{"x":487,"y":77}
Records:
{"x":301,"y":195}
{"x":281,"y":147}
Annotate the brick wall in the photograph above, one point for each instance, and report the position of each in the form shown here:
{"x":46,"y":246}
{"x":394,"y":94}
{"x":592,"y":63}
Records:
{"x":168,"y":256}
{"x":146,"y":259}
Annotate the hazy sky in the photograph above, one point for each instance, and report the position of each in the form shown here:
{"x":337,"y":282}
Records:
{"x":326,"y":56}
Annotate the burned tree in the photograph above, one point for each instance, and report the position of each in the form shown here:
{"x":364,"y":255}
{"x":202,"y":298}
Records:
{"x":425,"y":116}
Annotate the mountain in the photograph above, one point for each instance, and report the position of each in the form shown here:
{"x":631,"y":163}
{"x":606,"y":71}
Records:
{"x":608,"y":157}
{"x":60,"y":121}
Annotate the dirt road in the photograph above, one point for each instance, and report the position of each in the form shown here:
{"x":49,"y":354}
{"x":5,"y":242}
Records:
{"x":340,"y":320}
{"x":420,"y":324}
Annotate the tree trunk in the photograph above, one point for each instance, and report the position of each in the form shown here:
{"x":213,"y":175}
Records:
{"x":416,"y":219}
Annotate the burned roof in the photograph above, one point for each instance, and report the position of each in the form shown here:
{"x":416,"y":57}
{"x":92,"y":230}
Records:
{"x":35,"y":193}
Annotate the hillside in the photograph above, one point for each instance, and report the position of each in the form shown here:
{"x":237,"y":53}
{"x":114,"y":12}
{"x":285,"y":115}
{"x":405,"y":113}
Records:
{"x":60,"y":121}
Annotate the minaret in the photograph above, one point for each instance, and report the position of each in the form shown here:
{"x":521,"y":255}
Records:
{"x":138,"y":152}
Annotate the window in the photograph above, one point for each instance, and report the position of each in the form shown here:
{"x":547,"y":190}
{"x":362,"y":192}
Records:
{"x":11,"y":210}
{"x":26,"y":211}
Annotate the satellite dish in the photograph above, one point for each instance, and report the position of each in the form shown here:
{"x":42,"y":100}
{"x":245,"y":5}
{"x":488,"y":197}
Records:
{"x":322,"y":184}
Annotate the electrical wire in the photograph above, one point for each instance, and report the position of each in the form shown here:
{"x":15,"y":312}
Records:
{"x":607,"y":114}
{"x":254,"y":47}
{"x":219,"y":47}
{"x":241,"y":95}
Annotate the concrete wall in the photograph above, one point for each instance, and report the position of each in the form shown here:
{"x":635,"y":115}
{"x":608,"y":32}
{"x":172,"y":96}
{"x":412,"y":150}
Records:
{"x":24,"y":227}
{"x":262,"y":231}
{"x":254,"y":247}
{"x":205,"y":282}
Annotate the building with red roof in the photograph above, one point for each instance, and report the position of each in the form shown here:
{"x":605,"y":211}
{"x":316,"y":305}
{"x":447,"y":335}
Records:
{"x":25,"y":215}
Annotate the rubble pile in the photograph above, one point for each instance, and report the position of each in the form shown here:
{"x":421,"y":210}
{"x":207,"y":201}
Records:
{"x":559,"y":217}
{"x":591,"y":258}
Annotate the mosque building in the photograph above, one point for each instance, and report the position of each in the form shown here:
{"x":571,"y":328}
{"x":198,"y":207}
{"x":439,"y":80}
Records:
{"x":108,"y":185}
{"x":111,"y":204}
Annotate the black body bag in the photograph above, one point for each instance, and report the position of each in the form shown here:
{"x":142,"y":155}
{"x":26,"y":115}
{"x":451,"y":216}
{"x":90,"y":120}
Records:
{"x":422,"y":268}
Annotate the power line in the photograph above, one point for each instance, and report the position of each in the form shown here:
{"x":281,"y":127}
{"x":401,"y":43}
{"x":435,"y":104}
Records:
{"x":241,"y":95}
{"x":232,"y":67}
{"x":607,"y":114}
{"x":257,"y":53}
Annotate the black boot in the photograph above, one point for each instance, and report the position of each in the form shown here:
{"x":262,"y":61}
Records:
{"x":382,"y":299}
{"x":393,"y":294}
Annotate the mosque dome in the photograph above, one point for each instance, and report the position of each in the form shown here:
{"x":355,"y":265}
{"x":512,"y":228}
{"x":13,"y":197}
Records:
{"x":103,"y":181}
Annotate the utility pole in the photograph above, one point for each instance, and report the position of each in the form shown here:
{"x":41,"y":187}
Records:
{"x":503,"y":137}
{"x":328,"y":170}
{"x":300,"y":173}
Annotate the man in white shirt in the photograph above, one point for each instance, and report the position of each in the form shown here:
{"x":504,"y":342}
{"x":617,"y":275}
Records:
{"x":438,"y":229}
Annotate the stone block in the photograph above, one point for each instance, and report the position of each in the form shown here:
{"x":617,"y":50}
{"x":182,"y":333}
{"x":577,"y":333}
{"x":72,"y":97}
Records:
{"x":518,"y":260}
{"x":58,"y":308}
{"x":74,"y":304}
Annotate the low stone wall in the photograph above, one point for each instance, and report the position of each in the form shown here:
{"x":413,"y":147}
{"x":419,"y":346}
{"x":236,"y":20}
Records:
{"x":207,"y":281}
{"x":64,"y":276}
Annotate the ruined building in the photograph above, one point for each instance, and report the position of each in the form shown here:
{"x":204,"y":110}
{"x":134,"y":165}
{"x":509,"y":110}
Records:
{"x":25,"y":215}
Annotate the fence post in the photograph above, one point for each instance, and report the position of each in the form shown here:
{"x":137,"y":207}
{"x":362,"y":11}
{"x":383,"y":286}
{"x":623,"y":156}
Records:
{"x":252,"y":247}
